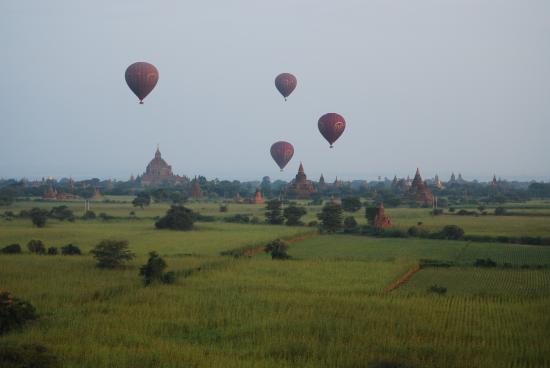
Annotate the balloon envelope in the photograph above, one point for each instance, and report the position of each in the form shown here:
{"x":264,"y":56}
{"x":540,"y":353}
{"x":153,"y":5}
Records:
{"x":141,"y":77}
{"x":285,"y":83}
{"x":282,"y":152}
{"x":331,"y":126}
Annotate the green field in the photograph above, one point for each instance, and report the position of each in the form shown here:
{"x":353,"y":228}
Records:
{"x":326,"y":307}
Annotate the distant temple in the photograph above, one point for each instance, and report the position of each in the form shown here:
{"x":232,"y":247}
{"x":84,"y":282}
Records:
{"x":381,"y":221}
{"x":419,"y":191}
{"x":300,"y":187}
{"x":97,"y":194}
{"x":196,"y":191}
{"x":438,"y":183}
{"x":53,"y":195}
{"x":257,"y":199}
{"x":494,"y":183}
{"x":159,"y":172}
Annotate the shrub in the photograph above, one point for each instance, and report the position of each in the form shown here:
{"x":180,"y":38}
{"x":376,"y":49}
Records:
{"x":27,"y":356}
{"x":177,"y":218}
{"x":52,"y":251}
{"x":89,"y":215}
{"x":413,"y":231}
{"x":277,"y":249}
{"x":500,"y":211}
{"x":112,"y":253}
{"x":153,"y":271}
{"x":273,"y":214}
{"x":14,"y":312}
{"x":293,"y":214}
{"x":351,"y":204}
{"x":437,"y":289}
{"x":313,"y":223}
{"x":12,"y":249}
{"x":485,"y":263}
{"x":255,"y":220}
{"x":105,"y":217}
{"x":437,"y":212}
{"x":62,"y":213}
{"x":38,"y":216}
{"x":350,"y":224}
{"x":36,"y":246}
{"x":70,"y":250}
{"x":331,"y":217}
{"x":452,"y":209}
{"x":223,"y":208}
{"x":238,"y":219}
{"x":452,"y":232}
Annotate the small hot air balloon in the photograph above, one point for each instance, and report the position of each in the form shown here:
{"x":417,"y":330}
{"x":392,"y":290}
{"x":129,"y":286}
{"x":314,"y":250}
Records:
{"x":331,"y":126}
{"x":285,"y":83}
{"x":141,"y":77}
{"x":282,"y":152}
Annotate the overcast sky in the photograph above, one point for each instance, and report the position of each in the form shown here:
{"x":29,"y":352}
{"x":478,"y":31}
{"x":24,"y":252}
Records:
{"x":446,"y":86}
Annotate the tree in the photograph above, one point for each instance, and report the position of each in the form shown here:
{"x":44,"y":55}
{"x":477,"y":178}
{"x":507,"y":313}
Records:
{"x":176,"y":218}
{"x":112,"y":253}
{"x":293,"y":213}
{"x":11,"y":249}
{"x":331,"y":217}
{"x":266,"y":186}
{"x":141,"y":200}
{"x":273,"y":212}
{"x":38,"y":216}
{"x":36,"y":246}
{"x":351,"y":204}
{"x":153,"y":270}
{"x":500,"y":211}
{"x":70,"y":250}
{"x":14,"y":312}
{"x":277,"y":249}
{"x":370,"y":214}
{"x":452,"y":232}
{"x":89,"y":215}
{"x":62,"y":213}
{"x":350,"y":224}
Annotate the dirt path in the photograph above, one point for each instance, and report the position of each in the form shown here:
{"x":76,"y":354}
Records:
{"x":403,"y":279}
{"x":250,"y":252}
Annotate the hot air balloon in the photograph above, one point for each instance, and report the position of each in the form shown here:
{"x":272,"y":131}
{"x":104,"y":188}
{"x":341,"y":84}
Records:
{"x":285,"y":83}
{"x":331,"y":126}
{"x":282,"y":152}
{"x":141,"y":77}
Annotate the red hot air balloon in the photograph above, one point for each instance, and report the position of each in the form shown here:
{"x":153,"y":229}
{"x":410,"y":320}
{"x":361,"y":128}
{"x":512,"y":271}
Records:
{"x":331,"y":126}
{"x":285,"y":83}
{"x":282,"y":152}
{"x":141,"y":77}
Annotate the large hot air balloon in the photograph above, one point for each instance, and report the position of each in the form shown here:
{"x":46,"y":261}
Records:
{"x":285,"y":83}
{"x":331,"y":126}
{"x":141,"y":77}
{"x":282,"y":152}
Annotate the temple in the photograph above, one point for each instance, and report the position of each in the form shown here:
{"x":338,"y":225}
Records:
{"x":419,"y":191}
{"x":381,"y":221}
{"x":300,"y":187}
{"x":158,"y":172}
{"x":196,"y":191}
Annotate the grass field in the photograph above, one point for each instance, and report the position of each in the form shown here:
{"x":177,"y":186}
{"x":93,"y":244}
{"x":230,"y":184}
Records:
{"x":326,"y":307}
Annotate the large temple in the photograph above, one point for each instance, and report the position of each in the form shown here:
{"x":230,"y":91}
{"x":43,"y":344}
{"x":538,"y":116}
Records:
{"x":300,"y":187}
{"x":158,"y":172}
{"x":419,"y":191}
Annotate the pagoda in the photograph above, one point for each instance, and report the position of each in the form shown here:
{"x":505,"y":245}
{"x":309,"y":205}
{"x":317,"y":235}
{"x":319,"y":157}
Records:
{"x":196,"y":191}
{"x":419,"y":191}
{"x":159,"y":172}
{"x":300,"y":187}
{"x":381,"y":221}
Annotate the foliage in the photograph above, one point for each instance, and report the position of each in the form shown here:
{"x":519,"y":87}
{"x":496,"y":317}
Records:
{"x":36,"y":246}
{"x":11,"y":249}
{"x":273,"y":214}
{"x":351,"y":204}
{"x":105,"y":217}
{"x":452,"y":232}
{"x":500,"y":211}
{"x":52,"y":251}
{"x":370,"y":214}
{"x":112,"y":253}
{"x":142,"y":199}
{"x":277,"y":249}
{"x":223,"y":208}
{"x":437,"y":289}
{"x":89,"y":215}
{"x":487,"y":262}
{"x":331,"y":217}
{"x":293,"y":214}
{"x":27,"y":356}
{"x":62,"y":213}
{"x":437,"y":211}
{"x":313,"y":223}
{"x":350,"y":224}
{"x":70,"y":250}
{"x":177,"y":218}
{"x":238,"y":219}
{"x":14,"y":312}
{"x":38,"y":216}
{"x":153,"y":270}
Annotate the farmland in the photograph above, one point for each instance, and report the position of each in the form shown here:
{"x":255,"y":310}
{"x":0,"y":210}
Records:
{"x":327,"y":306}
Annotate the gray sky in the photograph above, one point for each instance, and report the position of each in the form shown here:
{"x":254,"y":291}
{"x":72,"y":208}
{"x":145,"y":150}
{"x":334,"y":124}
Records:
{"x":459,"y":86}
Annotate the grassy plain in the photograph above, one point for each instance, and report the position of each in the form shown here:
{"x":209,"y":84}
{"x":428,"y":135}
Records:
{"x":324,"y":308}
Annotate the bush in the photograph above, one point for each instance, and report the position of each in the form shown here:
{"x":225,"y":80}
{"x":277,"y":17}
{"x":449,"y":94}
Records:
{"x":62,"y":213}
{"x":70,"y":250}
{"x":238,"y":219}
{"x":38,"y":217}
{"x":36,"y":246}
{"x":351,"y":204}
{"x":452,"y":209}
{"x":223,"y":208}
{"x":485,"y":263}
{"x":452,"y":232}
{"x":313,"y":223}
{"x":105,"y":217}
{"x":437,"y":212}
{"x":52,"y":251}
{"x":331,"y":217}
{"x":153,"y":271}
{"x":273,"y":214}
{"x":500,"y":211}
{"x":437,"y":289}
{"x":27,"y":356}
{"x":112,"y":253}
{"x":277,"y":249}
{"x":293,"y":214}
{"x":177,"y":218}
{"x":14,"y":312}
{"x":12,"y":249}
{"x":89,"y":215}
{"x":255,"y":220}
{"x":350,"y":224}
